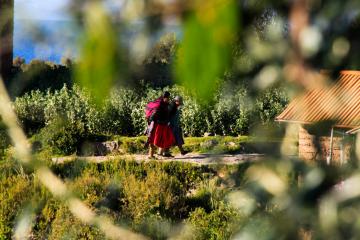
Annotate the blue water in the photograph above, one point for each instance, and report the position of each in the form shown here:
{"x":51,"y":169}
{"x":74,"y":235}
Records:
{"x":53,"y":40}
{"x":45,"y":40}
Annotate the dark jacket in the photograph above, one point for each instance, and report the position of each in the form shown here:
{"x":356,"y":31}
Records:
{"x":161,"y":115}
{"x":175,"y":123}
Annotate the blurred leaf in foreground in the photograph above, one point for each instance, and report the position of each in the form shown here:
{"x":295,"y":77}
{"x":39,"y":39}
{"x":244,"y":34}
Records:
{"x":99,"y":56}
{"x":205,"y":51}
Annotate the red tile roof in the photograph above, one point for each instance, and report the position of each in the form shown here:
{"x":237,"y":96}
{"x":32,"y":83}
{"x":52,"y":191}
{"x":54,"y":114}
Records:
{"x":339,"y":102}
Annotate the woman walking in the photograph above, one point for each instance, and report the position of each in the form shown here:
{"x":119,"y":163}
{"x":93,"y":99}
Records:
{"x":159,"y":132}
{"x":175,"y":123}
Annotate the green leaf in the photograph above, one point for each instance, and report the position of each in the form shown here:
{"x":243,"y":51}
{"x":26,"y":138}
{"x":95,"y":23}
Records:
{"x":205,"y":51}
{"x":97,"y":69}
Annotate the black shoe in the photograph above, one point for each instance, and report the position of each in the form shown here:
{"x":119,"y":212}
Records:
{"x":168,"y":155}
{"x":184,"y":152}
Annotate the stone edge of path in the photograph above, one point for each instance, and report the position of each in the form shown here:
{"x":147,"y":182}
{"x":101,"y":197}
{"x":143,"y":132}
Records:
{"x":195,"y":158}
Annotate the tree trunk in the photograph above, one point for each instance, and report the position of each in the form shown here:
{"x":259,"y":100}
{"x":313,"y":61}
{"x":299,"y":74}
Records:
{"x":6,"y":36}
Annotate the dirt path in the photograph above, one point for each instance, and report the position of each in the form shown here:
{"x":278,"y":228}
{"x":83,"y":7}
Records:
{"x":195,"y":158}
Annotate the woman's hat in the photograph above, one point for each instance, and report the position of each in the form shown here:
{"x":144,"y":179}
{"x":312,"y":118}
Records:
{"x":178,"y":99}
{"x":166,"y":94}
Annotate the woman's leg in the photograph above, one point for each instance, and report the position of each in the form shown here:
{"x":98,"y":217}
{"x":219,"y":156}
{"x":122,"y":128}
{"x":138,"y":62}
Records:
{"x":167,"y":153}
{"x":151,"y":150}
{"x":182,"y":151}
{"x":161,"y":151}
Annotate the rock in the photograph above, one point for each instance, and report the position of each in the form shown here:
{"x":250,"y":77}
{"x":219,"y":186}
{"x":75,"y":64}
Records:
{"x":209,"y":143}
{"x":231,"y":144}
{"x":111,"y":146}
{"x":207,"y":134}
{"x":99,"y":148}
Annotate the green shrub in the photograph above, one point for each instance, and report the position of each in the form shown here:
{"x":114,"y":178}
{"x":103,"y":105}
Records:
{"x":64,"y":117}
{"x":62,"y":137}
{"x":10,"y":166}
{"x":157,"y":193}
{"x":117,"y":113}
{"x":69,"y":119}
{"x":208,"y":195}
{"x":30,"y":110}
{"x":74,"y":106}
{"x":89,"y":187}
{"x":4,"y":139}
{"x":15,"y":191}
{"x":270,"y":103}
{"x":66,"y":226}
{"x":132,"y":145}
{"x":148,"y":197}
{"x":216,"y":144}
{"x":44,"y":206}
{"x":186,"y":173}
{"x":230,"y":115}
{"x":156,"y":227}
{"x":220,"y":223}
{"x":55,"y":221}
{"x":45,"y":216}
{"x":194,"y":118}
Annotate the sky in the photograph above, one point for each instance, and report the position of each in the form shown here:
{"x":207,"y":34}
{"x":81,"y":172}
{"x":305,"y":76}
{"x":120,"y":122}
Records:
{"x":51,"y":9}
{"x":41,"y":9}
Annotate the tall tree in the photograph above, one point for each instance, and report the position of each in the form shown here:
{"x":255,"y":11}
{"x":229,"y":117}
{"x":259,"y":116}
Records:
{"x":6,"y":36}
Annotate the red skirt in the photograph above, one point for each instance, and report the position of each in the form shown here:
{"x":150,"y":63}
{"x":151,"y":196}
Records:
{"x":162,"y":136}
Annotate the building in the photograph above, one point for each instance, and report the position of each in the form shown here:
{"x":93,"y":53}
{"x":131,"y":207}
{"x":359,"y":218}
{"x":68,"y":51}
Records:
{"x":328,"y":118}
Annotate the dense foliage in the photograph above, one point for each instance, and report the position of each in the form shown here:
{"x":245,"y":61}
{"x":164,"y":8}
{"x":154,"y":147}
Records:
{"x":4,"y":139}
{"x":38,"y":74}
{"x":65,"y":118}
{"x":141,"y":197}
